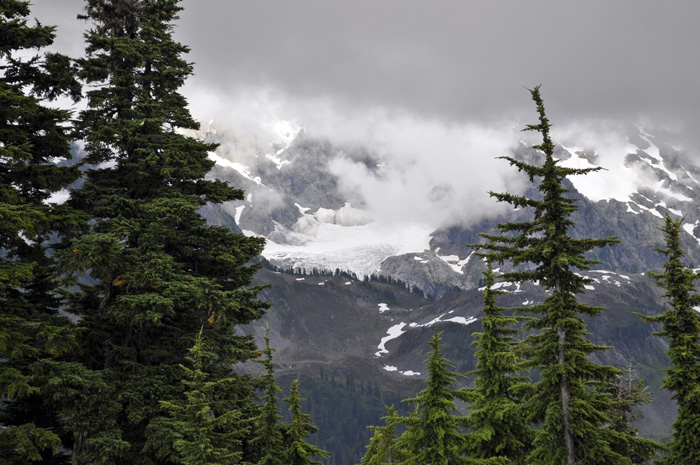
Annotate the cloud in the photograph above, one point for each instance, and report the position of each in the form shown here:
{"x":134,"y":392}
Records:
{"x":428,"y":170}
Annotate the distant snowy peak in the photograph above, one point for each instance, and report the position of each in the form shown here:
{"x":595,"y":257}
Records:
{"x":645,"y":177}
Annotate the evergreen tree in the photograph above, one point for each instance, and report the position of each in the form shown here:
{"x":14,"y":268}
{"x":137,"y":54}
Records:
{"x":435,"y":434}
{"x":33,"y":138}
{"x":627,"y":392}
{"x":299,"y":451}
{"x":680,"y":325}
{"x":382,"y":448}
{"x":497,"y":417}
{"x":204,"y":435}
{"x":568,"y":402}
{"x":158,"y":272}
{"x":268,"y":440}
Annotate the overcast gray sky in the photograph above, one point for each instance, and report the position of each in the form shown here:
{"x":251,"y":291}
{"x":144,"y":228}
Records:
{"x":452,"y":59}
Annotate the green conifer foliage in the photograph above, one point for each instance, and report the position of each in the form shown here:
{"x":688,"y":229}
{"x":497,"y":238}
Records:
{"x":158,"y":273}
{"x":382,"y":448}
{"x":497,"y":416}
{"x":299,"y":451}
{"x":567,"y":403}
{"x":680,"y":325}
{"x":33,"y":137}
{"x":435,"y":434}
{"x":268,"y":441}
{"x":204,"y":435}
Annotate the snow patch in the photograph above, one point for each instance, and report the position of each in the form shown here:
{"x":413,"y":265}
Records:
{"x":392,"y":333}
{"x":390,"y":368}
{"x":241,"y":169}
{"x":382,"y":307}
{"x":453,"y":260}
{"x":239,"y":212}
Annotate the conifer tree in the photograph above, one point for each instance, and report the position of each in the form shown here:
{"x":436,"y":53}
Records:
{"x":680,"y":325}
{"x":568,"y":402}
{"x":382,"y":448}
{"x":204,"y":435}
{"x":33,"y":138}
{"x":497,"y":416}
{"x":435,"y":434}
{"x":299,"y":451}
{"x":627,"y":392}
{"x":268,"y":440}
{"x":158,"y":272}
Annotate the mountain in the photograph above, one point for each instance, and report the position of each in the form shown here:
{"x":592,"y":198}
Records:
{"x":356,"y":291}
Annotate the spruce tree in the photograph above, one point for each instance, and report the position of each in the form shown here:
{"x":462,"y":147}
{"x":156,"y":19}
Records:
{"x":33,"y":139}
{"x":382,"y":448}
{"x":267,"y":440}
{"x":157,"y":272}
{"x":435,"y":435}
{"x":299,"y":451}
{"x":568,"y":402}
{"x":497,"y":416}
{"x":680,"y":325}
{"x":205,"y":436}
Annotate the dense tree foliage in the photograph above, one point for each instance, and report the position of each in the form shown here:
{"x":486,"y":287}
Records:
{"x":680,"y":325}
{"x":157,"y":273}
{"x":268,"y":441}
{"x":33,"y":140}
{"x":497,"y":415}
{"x":204,"y":434}
{"x":435,"y":433}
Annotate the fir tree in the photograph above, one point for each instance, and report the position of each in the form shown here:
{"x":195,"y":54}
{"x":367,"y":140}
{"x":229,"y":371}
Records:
{"x":204,"y":435}
{"x":435,"y":434}
{"x":268,"y":440}
{"x":158,"y":271}
{"x":299,"y":451}
{"x":627,"y":392}
{"x":497,"y":417}
{"x":680,"y":325}
{"x":33,"y":138}
{"x":568,"y":402}
{"x":382,"y":448}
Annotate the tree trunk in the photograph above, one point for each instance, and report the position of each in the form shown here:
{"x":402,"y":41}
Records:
{"x":565,"y":399}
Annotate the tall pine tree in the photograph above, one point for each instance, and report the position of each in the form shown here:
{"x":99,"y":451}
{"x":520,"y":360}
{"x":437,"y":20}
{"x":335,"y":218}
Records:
{"x":33,"y":139}
{"x":157,"y":272}
{"x":680,"y":325}
{"x":568,"y":402}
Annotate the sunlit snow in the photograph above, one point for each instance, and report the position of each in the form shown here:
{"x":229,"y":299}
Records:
{"x":383,"y":307}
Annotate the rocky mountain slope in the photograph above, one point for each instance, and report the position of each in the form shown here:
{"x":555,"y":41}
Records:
{"x":329,"y":326}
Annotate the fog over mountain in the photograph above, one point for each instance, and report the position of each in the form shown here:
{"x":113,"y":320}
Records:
{"x":449,"y":60}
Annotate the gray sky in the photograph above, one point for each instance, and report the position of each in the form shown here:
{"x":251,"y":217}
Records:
{"x":436,"y":87}
{"x":447,"y":59}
